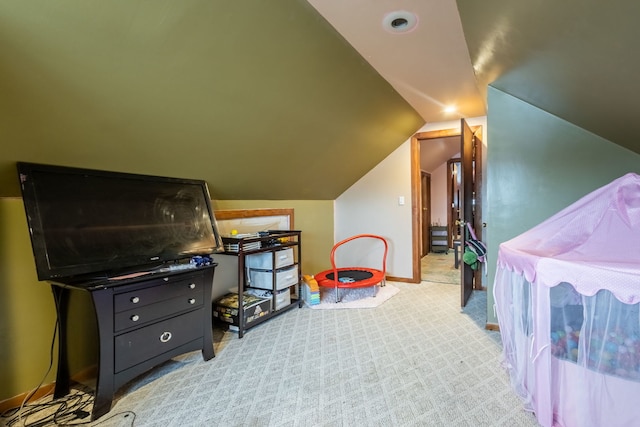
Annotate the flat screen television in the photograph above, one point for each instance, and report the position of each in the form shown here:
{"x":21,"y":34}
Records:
{"x":92,"y":223}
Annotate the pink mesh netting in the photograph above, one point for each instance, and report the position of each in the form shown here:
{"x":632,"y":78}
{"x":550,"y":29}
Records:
{"x":593,"y":244}
{"x":567,"y":296}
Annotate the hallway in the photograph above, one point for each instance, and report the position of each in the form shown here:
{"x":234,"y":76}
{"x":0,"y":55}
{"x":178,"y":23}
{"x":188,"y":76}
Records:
{"x":440,"y":268}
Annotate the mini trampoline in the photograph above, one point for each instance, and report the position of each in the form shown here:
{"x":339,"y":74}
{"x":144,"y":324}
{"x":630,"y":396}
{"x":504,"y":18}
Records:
{"x":353,"y":277}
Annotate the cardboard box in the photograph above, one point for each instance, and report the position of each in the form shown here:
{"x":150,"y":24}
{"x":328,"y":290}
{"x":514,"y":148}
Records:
{"x":226,"y":308}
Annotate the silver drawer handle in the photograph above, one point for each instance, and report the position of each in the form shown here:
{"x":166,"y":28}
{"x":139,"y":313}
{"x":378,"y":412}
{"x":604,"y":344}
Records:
{"x":192,"y":286}
{"x":135,"y":318}
{"x":192,"y":300}
{"x":165,"y":337}
{"x":135,"y":300}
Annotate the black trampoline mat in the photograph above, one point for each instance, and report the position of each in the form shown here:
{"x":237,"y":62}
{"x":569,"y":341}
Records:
{"x":356,"y":275}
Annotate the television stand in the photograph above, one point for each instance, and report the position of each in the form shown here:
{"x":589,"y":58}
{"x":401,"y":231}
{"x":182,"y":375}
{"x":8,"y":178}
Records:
{"x":140,"y":322}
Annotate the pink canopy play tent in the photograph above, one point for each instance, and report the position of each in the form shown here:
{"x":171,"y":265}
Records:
{"x":567,"y":296}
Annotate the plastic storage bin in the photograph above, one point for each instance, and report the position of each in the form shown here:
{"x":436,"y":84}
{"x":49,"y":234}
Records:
{"x":283,"y":297}
{"x":263,"y":279}
{"x":265,"y":261}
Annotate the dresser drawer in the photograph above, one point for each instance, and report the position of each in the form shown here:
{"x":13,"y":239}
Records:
{"x":150,"y":341}
{"x":148,"y":313}
{"x":159,"y":290}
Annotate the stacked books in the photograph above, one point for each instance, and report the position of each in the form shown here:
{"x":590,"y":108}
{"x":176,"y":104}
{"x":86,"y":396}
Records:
{"x":310,"y":290}
{"x":232,"y":242}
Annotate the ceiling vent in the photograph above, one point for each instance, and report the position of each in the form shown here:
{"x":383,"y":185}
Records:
{"x":399,"y":21}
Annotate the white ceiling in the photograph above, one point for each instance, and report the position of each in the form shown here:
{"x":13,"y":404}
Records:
{"x":576,"y":60}
{"x":429,"y":66}
{"x":434,"y":152}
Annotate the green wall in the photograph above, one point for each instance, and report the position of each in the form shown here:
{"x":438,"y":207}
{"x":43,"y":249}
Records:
{"x":27,"y":312}
{"x":246,"y":95}
{"x":313,"y":217}
{"x":537,"y":164}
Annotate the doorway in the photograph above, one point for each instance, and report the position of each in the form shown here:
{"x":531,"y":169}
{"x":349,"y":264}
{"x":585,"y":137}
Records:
{"x":473,"y":184}
{"x":425,"y":190}
{"x":454,"y":183}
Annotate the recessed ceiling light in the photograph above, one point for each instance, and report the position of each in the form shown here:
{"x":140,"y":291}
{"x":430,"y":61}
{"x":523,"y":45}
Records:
{"x":399,"y":21}
{"x":450,"y":109}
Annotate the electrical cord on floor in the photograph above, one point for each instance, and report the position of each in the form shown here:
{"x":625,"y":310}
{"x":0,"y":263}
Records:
{"x":16,"y":413}
{"x":59,"y":412}
{"x":56,"y":412}
{"x":70,"y":410}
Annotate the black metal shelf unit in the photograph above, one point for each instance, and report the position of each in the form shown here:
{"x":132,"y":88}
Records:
{"x":271,"y":242}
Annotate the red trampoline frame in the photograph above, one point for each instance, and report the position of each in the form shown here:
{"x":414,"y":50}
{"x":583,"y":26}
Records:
{"x":378,"y":276}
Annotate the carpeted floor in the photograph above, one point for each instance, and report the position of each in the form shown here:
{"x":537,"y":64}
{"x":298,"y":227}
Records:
{"x":440,"y":268}
{"x":417,"y":360}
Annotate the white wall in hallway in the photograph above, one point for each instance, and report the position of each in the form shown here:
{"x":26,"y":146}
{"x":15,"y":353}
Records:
{"x":371,"y":206}
{"x":439,"y":195}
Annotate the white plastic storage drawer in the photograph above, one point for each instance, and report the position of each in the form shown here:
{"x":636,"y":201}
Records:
{"x":265,"y":260}
{"x":283,"y":297}
{"x":263,"y":279}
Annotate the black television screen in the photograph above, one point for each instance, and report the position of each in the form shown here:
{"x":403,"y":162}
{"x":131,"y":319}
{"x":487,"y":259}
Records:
{"x":90,"y":222}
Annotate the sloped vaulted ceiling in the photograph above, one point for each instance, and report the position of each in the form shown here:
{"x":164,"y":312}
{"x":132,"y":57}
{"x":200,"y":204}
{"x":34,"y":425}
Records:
{"x":262,"y":99}
{"x":278,"y":100}
{"x":575,"y":59}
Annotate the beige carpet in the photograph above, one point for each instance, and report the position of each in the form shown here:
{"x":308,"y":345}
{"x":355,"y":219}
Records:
{"x":440,"y":268}
{"x":417,"y":360}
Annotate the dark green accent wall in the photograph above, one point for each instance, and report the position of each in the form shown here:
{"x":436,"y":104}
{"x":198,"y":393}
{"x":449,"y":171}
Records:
{"x":538,"y":164}
{"x":262,"y":99}
{"x":27,"y":311}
